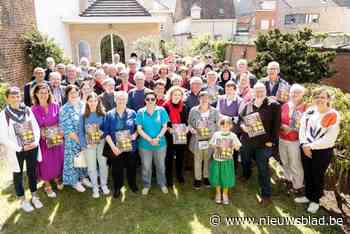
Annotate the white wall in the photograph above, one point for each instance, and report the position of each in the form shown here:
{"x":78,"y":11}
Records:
{"x":224,"y":27}
{"x":49,"y":15}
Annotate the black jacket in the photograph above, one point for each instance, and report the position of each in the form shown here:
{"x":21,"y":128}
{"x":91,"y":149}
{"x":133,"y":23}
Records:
{"x":270,"y":114}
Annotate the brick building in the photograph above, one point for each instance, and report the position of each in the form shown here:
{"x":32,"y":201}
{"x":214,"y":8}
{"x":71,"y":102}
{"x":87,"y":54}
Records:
{"x":16,"y":18}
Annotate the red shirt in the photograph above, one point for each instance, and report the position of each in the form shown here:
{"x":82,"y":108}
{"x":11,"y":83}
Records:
{"x":160,"y":102}
{"x":286,"y":119}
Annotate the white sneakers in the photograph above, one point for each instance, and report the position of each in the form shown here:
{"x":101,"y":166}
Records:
{"x":95,"y":193}
{"x":164,"y":190}
{"x":27,"y":207}
{"x":145,"y":191}
{"x":313,"y":206}
{"x":301,"y":200}
{"x":79,"y":187}
{"x":86,"y":182}
{"x":105,"y":190}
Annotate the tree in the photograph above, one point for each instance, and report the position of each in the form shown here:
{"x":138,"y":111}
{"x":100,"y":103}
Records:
{"x":205,"y":44}
{"x":299,"y":62}
{"x":40,"y":46}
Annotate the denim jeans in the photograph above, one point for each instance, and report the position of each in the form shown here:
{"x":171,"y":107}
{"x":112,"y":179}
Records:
{"x":93,"y":156}
{"x":158,"y":157}
{"x":261,"y":156}
{"x":31,"y":161}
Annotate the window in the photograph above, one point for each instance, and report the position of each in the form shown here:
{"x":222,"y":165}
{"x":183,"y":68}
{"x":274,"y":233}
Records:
{"x":295,"y":19}
{"x":313,"y":18}
{"x":161,"y":27}
{"x":84,"y":50}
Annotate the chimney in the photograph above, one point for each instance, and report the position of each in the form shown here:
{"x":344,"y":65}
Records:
{"x":196,"y":12}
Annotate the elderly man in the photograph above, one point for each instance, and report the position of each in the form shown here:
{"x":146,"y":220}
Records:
{"x":212,"y":88}
{"x":50,"y":63}
{"x":84,"y":65}
{"x":61,"y":68}
{"x":58,"y":90}
{"x":72,"y":76}
{"x":137,"y":95}
{"x":39,"y":77}
{"x":260,"y":121}
{"x":275,"y":85}
{"x":191,"y":98}
{"x":149,"y":82}
{"x":116,"y":57}
{"x":242,"y":67}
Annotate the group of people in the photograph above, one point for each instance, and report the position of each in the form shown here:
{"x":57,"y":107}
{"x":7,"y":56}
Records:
{"x":78,"y":123}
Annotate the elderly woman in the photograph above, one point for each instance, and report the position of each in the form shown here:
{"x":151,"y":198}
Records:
{"x":99,"y":78}
{"x":107,"y":96}
{"x":176,"y":80}
{"x":212,"y":88}
{"x":56,"y":88}
{"x":163,"y":74}
{"x":203,"y":122}
{"x":125,"y":85}
{"x":69,"y":122}
{"x":21,"y":145}
{"x":319,"y":129}
{"x":152,"y":123}
{"x":289,"y":147}
{"x":121,"y":119}
{"x":92,"y":144}
{"x":46,"y":113}
{"x":149,"y":75}
{"x":177,"y":115}
{"x":244,"y":88}
{"x":159,"y":90}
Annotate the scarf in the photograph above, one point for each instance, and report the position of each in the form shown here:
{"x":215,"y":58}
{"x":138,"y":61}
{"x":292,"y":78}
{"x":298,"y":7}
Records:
{"x":174,"y":111}
{"x":17,"y":115}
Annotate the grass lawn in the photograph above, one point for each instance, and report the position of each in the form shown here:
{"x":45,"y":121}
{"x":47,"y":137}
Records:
{"x":185,"y":211}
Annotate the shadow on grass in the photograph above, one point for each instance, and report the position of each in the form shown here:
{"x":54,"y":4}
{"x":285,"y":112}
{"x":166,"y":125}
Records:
{"x":184,"y":210}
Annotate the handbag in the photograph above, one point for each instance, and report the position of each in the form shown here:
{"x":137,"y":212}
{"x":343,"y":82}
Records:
{"x":80,"y":160}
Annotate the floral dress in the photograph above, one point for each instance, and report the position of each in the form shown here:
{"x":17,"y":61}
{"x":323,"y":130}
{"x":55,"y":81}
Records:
{"x":69,"y":122}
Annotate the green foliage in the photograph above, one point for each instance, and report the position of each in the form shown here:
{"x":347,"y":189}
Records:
{"x":298,"y":61}
{"x":167,"y":48}
{"x":205,"y":44}
{"x":40,"y":46}
{"x":3,"y":87}
{"x":147,"y":47}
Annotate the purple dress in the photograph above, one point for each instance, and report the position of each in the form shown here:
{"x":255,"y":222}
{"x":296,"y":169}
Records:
{"x":51,"y":166}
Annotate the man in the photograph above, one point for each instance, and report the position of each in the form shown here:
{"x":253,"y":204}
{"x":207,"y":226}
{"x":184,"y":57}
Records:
{"x":50,"y":63}
{"x":116,"y":58}
{"x":275,"y":85}
{"x":132,"y":69}
{"x":137,"y":95}
{"x":61,"y":68}
{"x":58,"y":90}
{"x":149,"y":82}
{"x":39,"y":77}
{"x":260,"y":121}
{"x":242,"y":67}
{"x":212,"y":88}
{"x":107,"y":97}
{"x":72,"y":76}
{"x":191,"y":98}
{"x":84,"y":65}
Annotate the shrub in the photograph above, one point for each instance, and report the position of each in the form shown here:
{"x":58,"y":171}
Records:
{"x":299,"y":62}
{"x":205,"y":44}
{"x":40,"y":46}
{"x":3,"y":87}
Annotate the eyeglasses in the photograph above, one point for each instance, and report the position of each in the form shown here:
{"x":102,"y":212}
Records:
{"x":150,"y":99}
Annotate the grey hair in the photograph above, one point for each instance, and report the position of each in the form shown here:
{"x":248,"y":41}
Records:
{"x":108,"y":81}
{"x":55,"y":74}
{"x":274,"y":63}
{"x":297,"y":87}
{"x":123,"y":94}
{"x":241,"y":61}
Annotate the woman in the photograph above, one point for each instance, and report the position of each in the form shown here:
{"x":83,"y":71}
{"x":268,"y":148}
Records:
{"x":225,"y":76}
{"x":159,"y":90}
{"x":318,"y":132}
{"x":203,"y":122}
{"x":69,"y":122}
{"x":118,"y":120}
{"x":163,"y":74}
{"x":289,"y":147}
{"x":85,"y":90}
{"x":12,"y":118}
{"x":92,"y":144}
{"x":175,"y":108}
{"x":47,"y":115}
{"x":152,"y":123}
{"x":244,"y":89}
{"x":183,"y":72}
{"x":229,"y":105}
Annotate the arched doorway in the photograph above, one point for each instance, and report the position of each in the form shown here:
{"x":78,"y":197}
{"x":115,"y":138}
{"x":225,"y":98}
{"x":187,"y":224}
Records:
{"x":110,"y":45}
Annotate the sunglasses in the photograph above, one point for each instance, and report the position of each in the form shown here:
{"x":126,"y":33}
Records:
{"x":150,"y":99}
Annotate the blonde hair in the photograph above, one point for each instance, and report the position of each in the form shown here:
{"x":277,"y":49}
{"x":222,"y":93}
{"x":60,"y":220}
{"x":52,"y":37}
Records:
{"x":173,"y":89}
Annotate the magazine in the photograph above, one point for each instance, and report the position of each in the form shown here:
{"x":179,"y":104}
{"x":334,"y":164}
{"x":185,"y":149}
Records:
{"x":124,"y":141}
{"x":203,"y":129}
{"x":295,"y":120}
{"x":225,"y":149}
{"x":254,"y":125}
{"x":53,"y":136}
{"x":282,"y":94}
{"x":24,"y":132}
{"x":93,"y":134}
{"x":179,"y":134}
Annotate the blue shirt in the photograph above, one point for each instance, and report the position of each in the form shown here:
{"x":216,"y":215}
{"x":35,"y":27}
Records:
{"x":136,"y":99}
{"x":152,"y":125}
{"x":114,"y":123}
{"x":92,"y":119}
